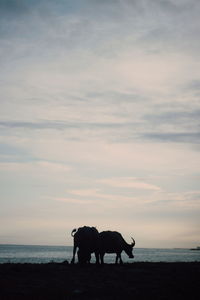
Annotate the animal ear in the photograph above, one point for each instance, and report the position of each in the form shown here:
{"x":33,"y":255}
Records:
{"x":133,"y":243}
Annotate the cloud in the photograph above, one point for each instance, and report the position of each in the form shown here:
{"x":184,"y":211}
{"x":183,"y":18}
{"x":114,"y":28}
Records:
{"x":13,"y":7}
{"x":113,"y":73}
{"x":146,"y":210}
{"x":166,"y":203}
{"x":101,"y":201}
{"x":108,"y":198}
{"x":33,"y":167}
{"x":100,"y":107}
{"x":10,"y":150}
{"x":86,"y":192}
{"x":129,"y":182}
{"x":174,"y":116}
{"x":165,"y":126}
{"x":185,"y":200}
{"x":60,"y":125}
{"x":75,"y":201}
{"x":182,"y":137}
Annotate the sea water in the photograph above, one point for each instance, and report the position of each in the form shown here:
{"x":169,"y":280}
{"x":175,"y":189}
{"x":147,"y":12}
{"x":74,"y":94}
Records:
{"x":46,"y":254}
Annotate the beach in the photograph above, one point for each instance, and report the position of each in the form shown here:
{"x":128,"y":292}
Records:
{"x":128,"y":281}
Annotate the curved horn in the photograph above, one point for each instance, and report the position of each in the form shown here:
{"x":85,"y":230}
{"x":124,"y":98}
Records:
{"x":133,"y":244}
{"x":73,"y":231}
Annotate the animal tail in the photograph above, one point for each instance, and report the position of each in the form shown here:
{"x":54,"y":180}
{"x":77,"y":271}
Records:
{"x":133,"y":244}
{"x":73,"y":232}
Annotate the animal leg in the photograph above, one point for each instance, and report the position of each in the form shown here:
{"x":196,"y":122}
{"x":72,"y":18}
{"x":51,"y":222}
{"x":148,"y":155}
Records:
{"x":102,"y":258}
{"x":120,"y":259}
{"x":97,"y":258}
{"x":117,"y":256}
{"x":74,"y":253}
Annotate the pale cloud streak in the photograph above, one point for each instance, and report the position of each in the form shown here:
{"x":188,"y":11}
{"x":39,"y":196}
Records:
{"x":108,"y":199}
{"x":43,"y":165}
{"x":129,"y":182}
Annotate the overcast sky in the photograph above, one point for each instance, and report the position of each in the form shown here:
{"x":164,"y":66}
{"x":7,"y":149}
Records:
{"x":100,"y":120}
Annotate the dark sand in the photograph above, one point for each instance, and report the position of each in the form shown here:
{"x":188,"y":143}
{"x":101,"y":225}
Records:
{"x":128,"y":281}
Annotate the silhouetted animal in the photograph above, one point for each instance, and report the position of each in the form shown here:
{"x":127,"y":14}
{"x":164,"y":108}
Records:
{"x":113,"y":242}
{"x":86,"y":239}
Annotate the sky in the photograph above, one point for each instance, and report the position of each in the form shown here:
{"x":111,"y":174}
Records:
{"x":100,"y":120}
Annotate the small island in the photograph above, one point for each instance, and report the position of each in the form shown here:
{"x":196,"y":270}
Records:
{"x":197,"y":248}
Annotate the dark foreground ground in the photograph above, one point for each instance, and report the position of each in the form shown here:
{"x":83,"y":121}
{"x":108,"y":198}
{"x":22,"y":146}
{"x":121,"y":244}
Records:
{"x":128,"y":281}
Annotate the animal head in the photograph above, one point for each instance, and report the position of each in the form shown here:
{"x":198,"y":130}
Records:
{"x":129,"y":249}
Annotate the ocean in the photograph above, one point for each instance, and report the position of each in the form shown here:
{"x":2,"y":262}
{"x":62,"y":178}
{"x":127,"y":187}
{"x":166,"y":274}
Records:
{"x":46,"y":254}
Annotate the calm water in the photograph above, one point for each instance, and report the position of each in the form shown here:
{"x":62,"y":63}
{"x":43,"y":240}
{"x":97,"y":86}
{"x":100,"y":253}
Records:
{"x":44,"y":254}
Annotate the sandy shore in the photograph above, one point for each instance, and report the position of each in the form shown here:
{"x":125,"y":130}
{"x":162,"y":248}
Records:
{"x":129,"y":281}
